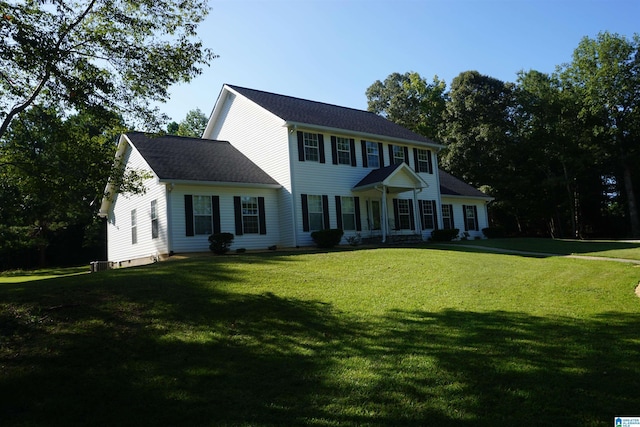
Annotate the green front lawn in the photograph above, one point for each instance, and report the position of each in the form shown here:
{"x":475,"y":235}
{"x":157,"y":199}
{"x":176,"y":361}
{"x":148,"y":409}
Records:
{"x":598,"y":248}
{"x":377,"y":337}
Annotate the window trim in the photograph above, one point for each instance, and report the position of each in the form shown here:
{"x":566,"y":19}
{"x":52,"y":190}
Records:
{"x":427,"y":162}
{"x":448,"y":218}
{"x":473,"y":209}
{"x":303,"y":146}
{"x":340,"y":213}
{"x":155,"y":232}
{"x":428,"y":215}
{"x":134,"y":226}
{"x":209,"y":231}
{"x":306,"y":219}
{"x":399,"y":225}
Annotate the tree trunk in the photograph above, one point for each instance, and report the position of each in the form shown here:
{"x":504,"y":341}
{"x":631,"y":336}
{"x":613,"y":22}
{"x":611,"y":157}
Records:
{"x":631,"y":201}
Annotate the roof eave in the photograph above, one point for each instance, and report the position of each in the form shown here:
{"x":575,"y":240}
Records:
{"x":375,"y":136}
{"x":167,"y":181}
{"x":460,"y":196}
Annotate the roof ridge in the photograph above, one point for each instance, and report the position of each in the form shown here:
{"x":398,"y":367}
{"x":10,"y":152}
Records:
{"x":300,"y":99}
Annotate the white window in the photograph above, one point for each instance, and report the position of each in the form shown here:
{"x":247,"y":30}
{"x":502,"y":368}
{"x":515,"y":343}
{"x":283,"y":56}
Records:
{"x":470,"y":218}
{"x":250,"y":215}
{"x":373,"y":155}
{"x":398,"y":154}
{"x":154,"y":219}
{"x":134,"y":227}
{"x":348,"y":209}
{"x":447,"y":217}
{"x":423,"y":158}
{"x":343,"y":148}
{"x":202,"y":215}
{"x":311,"y":147}
{"x":428,"y":220}
{"x":404,"y":215}
{"x":316,"y":213}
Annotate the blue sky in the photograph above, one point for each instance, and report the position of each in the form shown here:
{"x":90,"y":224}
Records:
{"x":333,"y":50}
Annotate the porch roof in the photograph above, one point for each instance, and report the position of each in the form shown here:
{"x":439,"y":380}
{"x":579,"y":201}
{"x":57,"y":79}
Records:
{"x":397,"y":178}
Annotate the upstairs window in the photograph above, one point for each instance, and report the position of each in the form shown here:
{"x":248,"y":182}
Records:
{"x":310,"y":147}
{"x":373,"y":154}
{"x":423,"y":160}
{"x":343,"y":149}
{"x":397,"y":154}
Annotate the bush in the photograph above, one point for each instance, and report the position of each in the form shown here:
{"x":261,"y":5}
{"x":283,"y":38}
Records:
{"x":327,"y":238}
{"x":494,"y":232}
{"x":220,"y":243}
{"x":444,"y":235}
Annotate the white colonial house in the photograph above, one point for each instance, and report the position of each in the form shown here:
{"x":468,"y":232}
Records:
{"x":271,"y":169}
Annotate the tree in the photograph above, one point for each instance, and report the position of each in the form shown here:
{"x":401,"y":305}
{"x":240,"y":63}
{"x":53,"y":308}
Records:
{"x":479,"y":128}
{"x":54,"y":171}
{"x":101,"y":55}
{"x":193,"y":125}
{"x":408,"y":100}
{"x":605,"y":75}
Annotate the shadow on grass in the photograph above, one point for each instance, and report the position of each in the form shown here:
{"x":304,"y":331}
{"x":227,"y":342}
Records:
{"x":137,"y":349}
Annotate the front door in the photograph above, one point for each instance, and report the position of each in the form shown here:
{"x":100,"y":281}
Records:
{"x":374,"y":215}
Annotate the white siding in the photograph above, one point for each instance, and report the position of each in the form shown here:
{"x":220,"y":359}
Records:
{"x":119,"y":239}
{"x":182,"y":243}
{"x":458,"y":217}
{"x":261,"y":137}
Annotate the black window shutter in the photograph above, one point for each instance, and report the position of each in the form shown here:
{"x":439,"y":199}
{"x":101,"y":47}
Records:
{"x":262,"y":216}
{"x":453,"y":224}
{"x":215,"y":209}
{"x":475,"y":216}
{"x":325,"y":211}
{"x":321,"y":147}
{"x":415,"y":160}
{"x":430,"y":161}
{"x":396,"y":214}
{"x":406,"y":155}
{"x":237,"y":208}
{"x":421,"y":211}
{"x":188,"y":214}
{"x":339,"y":211}
{"x":300,"y":146}
{"x":305,"y":213}
{"x":381,"y":153}
{"x":352,"y":148}
{"x":334,"y":150}
{"x":391,"y":159}
{"x":435,"y":215}
{"x":464,"y":217}
{"x":356,"y":202}
{"x":411,"y":215}
{"x":365,"y":162}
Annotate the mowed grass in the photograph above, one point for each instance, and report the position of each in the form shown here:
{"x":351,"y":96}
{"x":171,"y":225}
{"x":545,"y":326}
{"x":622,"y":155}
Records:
{"x":379,"y":337}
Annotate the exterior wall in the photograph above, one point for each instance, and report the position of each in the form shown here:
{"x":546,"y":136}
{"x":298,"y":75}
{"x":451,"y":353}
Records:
{"x":261,"y":137}
{"x":181,"y":243}
{"x":316,"y":178}
{"x":119,"y":236}
{"x":458,"y":217}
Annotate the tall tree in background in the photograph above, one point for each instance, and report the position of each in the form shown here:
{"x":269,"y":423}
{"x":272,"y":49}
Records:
{"x":478,"y":128}
{"x":410,"y":101}
{"x":54,"y":170}
{"x":116,"y":55}
{"x":605,"y":74}
{"x":193,"y":125}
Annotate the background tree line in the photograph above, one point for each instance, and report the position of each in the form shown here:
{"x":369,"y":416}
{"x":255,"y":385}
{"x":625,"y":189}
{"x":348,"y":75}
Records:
{"x":74,"y":75}
{"x":559,"y":152}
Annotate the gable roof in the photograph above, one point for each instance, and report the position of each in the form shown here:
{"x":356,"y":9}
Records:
{"x":177,"y":158}
{"x":297,"y":111}
{"x":452,"y":186}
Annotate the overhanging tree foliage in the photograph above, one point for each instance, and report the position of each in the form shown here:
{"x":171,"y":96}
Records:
{"x":193,"y":125}
{"x":105,"y":55}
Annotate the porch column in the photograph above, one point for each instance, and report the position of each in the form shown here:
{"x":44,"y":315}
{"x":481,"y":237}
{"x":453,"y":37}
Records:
{"x":384,"y":226}
{"x":416,"y":213}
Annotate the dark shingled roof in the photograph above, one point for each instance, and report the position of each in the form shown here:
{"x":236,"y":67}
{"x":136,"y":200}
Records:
{"x":377,"y":175}
{"x":195,"y":159}
{"x":314,"y":113}
{"x":452,"y":186}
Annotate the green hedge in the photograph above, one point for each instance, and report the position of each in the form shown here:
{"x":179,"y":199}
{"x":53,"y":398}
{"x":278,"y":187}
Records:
{"x":444,"y":235}
{"x":327,"y":238}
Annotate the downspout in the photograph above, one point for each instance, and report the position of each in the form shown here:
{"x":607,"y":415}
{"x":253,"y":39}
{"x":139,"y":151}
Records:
{"x":168,"y":189}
